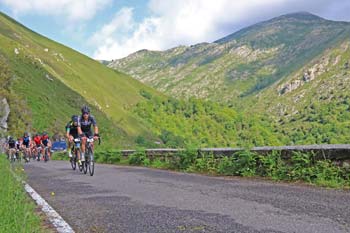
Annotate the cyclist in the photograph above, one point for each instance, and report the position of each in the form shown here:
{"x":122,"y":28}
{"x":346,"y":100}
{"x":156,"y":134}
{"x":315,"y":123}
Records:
{"x":84,"y":128}
{"x":45,"y":142}
{"x":18,"y":147}
{"x":26,"y":143}
{"x":11,"y":146}
{"x":37,"y":147}
{"x":72,"y":133}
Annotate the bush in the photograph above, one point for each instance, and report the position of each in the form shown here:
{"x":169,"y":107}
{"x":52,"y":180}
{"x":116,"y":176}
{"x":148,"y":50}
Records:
{"x":137,"y":158}
{"x":226,"y":166}
{"x":114,"y":156}
{"x":245,"y":163}
{"x":185,"y":158}
{"x":207,"y":163}
{"x":272,"y":165}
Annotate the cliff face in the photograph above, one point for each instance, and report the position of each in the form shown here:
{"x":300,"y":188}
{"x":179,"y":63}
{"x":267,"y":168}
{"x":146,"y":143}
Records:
{"x":4,"y":113}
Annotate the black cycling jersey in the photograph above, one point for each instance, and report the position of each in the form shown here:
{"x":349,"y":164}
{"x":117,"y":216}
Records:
{"x":12,"y":144}
{"x":72,"y":130}
{"x":85,"y":125}
{"x":45,"y":142}
{"x":26,"y":141}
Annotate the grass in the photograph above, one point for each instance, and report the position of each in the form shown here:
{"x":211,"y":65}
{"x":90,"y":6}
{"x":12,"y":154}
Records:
{"x":76,"y":80}
{"x":17,"y":211}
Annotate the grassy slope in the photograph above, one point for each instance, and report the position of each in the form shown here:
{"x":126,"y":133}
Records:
{"x":111,"y":92}
{"x":16,"y":210}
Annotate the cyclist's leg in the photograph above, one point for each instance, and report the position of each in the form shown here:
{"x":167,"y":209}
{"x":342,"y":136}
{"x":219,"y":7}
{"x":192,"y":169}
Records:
{"x":49,"y":149}
{"x":83,"y":144}
{"x":69,"y":146}
{"x":12,"y":153}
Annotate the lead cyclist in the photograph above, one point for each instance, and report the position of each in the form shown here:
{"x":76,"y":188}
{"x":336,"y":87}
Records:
{"x":84,"y":128}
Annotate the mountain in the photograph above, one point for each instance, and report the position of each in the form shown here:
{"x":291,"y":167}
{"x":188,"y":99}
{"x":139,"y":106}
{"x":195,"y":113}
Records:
{"x":239,"y":65}
{"x":312,"y":104}
{"x":45,"y":82}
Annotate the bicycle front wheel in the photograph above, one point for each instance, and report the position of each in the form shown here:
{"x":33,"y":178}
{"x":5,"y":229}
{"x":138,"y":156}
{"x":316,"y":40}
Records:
{"x":73,"y":160}
{"x":46,"y":156}
{"x":91,"y":162}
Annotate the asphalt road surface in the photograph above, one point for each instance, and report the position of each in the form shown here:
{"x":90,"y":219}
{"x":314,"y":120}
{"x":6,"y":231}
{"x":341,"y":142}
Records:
{"x":133,"y":199}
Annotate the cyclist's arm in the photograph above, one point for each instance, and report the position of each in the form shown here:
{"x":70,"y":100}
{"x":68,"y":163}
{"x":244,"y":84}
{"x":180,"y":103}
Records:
{"x":94,"y":124}
{"x":80,"y":132}
{"x":95,"y":129}
{"x":67,"y":132}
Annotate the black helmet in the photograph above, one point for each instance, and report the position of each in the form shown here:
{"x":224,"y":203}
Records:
{"x":44,"y":134}
{"x":75,"y":118}
{"x":25,"y":134}
{"x":85,"y":109}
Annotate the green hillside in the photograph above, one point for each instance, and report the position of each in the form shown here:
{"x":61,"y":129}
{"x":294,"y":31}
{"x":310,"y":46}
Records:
{"x":239,"y":65}
{"x":312,"y":105}
{"x":288,"y":75}
{"x":111,"y":92}
{"x":46,"y":82}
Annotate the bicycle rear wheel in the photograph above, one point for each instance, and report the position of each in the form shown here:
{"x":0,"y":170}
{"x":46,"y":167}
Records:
{"x":85,"y":164}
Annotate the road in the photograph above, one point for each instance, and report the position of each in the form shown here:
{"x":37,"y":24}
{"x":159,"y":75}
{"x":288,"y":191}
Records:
{"x":134,"y":199}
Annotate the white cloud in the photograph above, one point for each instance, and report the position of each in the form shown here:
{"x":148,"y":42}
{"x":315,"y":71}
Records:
{"x":175,"y":22}
{"x":72,"y":10}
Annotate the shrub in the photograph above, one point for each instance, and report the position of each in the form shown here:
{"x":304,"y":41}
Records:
{"x":244,"y":163}
{"x":137,"y":158}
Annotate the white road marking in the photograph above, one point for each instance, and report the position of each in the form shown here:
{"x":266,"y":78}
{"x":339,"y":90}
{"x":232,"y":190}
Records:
{"x":58,"y":222}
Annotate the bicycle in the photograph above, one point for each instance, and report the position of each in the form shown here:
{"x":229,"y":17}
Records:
{"x":89,"y":162}
{"x":26,"y":153}
{"x":12,"y":155}
{"x":46,"y":154}
{"x":75,"y":151}
{"x":38,"y":150}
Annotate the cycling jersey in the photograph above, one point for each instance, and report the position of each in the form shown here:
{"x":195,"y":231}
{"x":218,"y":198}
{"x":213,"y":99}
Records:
{"x":45,"y":139}
{"x":85,"y":125}
{"x":12,"y":144}
{"x":72,"y":130}
{"x":37,"y":140}
{"x":26,"y":141}
{"x":18,"y":145}
{"x":45,"y":142}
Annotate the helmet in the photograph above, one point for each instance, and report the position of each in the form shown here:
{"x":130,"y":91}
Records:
{"x":85,"y":109}
{"x":75,"y":118}
{"x":10,"y":138}
{"x":44,"y":134}
{"x":25,"y":134}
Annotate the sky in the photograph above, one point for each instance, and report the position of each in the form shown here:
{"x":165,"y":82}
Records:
{"x":112,"y":29}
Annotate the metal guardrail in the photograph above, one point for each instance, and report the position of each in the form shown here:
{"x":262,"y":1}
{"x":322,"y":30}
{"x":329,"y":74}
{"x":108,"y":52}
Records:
{"x":328,"y":151}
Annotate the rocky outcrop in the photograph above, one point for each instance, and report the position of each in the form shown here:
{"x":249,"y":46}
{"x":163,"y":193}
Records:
{"x":308,"y":75}
{"x":4,"y":113}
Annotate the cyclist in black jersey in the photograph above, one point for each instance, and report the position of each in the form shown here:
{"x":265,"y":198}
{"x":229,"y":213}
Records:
{"x":72,"y":133}
{"x":84,"y":127}
{"x":11,"y":147}
{"x":26,"y":145}
{"x":46,"y":142}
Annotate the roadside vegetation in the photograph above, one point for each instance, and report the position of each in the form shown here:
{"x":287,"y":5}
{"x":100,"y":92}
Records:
{"x":305,"y":167}
{"x":17,"y":211}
